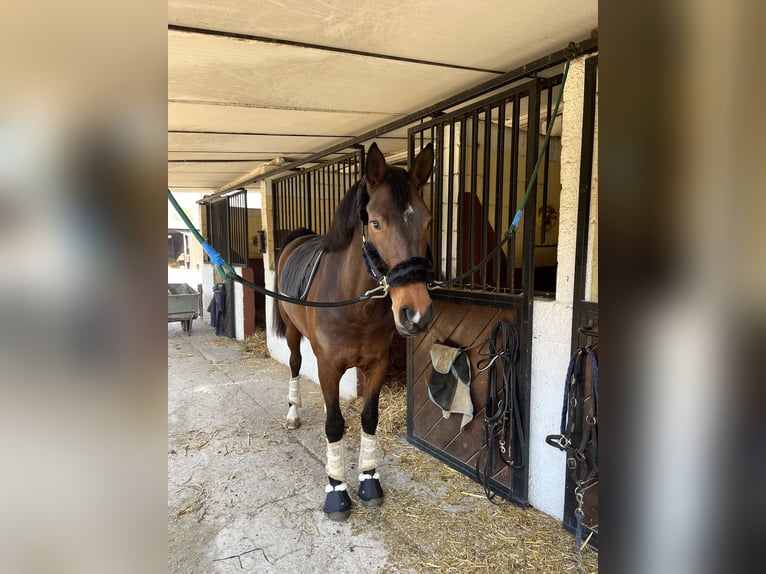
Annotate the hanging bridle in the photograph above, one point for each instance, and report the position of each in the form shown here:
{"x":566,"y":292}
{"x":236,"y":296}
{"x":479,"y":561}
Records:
{"x":579,"y":416}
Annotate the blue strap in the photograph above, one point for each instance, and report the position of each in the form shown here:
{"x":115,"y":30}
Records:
{"x":215,"y":257}
{"x":516,"y":219}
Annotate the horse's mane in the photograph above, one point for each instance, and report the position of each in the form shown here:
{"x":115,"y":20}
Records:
{"x":347,"y":214}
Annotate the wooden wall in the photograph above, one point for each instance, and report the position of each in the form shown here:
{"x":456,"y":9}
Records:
{"x":455,"y":324}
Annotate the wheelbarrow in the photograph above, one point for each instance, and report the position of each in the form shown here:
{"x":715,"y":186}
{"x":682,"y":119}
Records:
{"x":183,"y":305}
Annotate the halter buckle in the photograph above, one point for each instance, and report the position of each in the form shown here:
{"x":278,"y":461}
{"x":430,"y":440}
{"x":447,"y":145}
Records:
{"x":382,"y":287}
{"x":559,"y":441}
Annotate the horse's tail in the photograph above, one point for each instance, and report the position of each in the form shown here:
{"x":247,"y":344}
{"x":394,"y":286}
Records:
{"x":280,"y":328}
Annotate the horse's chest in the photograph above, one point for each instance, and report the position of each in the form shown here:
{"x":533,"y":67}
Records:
{"x":355,"y":344}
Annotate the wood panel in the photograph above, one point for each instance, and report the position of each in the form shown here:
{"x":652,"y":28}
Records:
{"x":456,"y":325}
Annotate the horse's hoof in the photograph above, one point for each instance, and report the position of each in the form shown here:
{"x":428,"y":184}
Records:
{"x":293,"y":421}
{"x":337,"y":504}
{"x":292,"y":424}
{"x":370,"y":492}
{"x":339,"y":516}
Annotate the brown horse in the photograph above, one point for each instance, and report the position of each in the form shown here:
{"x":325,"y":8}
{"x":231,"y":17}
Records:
{"x":379,"y":235}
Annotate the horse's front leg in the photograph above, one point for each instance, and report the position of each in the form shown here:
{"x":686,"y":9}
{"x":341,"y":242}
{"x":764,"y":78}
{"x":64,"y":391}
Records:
{"x":337,"y":503}
{"x":370,"y":491}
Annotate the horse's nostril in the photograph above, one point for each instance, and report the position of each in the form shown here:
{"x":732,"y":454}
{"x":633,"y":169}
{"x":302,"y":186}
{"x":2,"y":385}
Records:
{"x":410,"y":319}
{"x":405,"y":316}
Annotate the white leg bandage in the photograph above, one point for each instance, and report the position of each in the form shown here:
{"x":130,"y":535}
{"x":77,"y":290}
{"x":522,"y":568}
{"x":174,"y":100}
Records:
{"x":368,"y":452}
{"x":336,"y":465}
{"x":294,"y":391}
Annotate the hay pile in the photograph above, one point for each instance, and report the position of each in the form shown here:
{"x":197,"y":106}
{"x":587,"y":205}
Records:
{"x":256,"y":343}
{"x":446,"y":524}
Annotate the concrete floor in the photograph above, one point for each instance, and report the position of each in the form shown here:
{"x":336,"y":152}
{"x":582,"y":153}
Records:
{"x":238,"y":481}
{"x":244,"y":494}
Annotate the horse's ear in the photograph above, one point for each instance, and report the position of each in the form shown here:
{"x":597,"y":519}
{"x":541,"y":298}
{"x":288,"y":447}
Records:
{"x":375,"y":168}
{"x":423,"y":166}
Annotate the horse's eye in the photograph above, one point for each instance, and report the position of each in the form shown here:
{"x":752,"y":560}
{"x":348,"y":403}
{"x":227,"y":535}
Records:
{"x":375,"y":225}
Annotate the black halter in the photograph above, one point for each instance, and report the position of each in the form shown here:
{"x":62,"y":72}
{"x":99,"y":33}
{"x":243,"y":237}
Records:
{"x":411,"y":270}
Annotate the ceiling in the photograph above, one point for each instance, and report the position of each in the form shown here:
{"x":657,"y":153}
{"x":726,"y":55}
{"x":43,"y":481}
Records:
{"x":253,"y":83}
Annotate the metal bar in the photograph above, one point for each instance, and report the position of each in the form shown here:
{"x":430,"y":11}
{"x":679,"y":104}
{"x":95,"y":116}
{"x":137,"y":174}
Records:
{"x":546,"y":166}
{"x":533,"y":149}
{"x":472,"y":209}
{"x":233,"y":231}
{"x":322,"y":211}
{"x":194,"y":161}
{"x":437,"y":183}
{"x":338,"y":184}
{"x":283,"y":42}
{"x":485,"y":191}
{"x":281,"y":205}
{"x":288,"y":205}
{"x":513,"y":198}
{"x":347,"y":171}
{"x":300,"y":184}
{"x":267,"y":134}
{"x":297,"y":207}
{"x":586,"y":173}
{"x":461,"y":193}
{"x":520,"y":480}
{"x":275,"y":218}
{"x":586,"y":46}
{"x":329,"y":197}
{"x":499,"y":190}
{"x":238,"y":232}
{"x":300,"y":198}
{"x":309,"y":205}
{"x":450,"y":198}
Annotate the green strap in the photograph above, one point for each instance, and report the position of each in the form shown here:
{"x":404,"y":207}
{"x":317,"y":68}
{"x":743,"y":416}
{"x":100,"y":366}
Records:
{"x":215,"y":257}
{"x":515,"y":224}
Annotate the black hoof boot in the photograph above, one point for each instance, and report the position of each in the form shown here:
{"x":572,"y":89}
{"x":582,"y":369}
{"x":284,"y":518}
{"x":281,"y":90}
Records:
{"x":337,"y":503}
{"x":370,"y":491}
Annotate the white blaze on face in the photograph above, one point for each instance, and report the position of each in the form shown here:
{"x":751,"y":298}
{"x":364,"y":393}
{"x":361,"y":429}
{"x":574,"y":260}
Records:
{"x":407,"y":212}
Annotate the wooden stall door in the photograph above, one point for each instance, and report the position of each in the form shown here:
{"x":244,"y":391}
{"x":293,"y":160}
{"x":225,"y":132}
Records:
{"x":459,"y":324}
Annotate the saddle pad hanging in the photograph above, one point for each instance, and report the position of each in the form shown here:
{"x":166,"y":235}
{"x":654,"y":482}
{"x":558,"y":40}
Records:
{"x":450,"y":381}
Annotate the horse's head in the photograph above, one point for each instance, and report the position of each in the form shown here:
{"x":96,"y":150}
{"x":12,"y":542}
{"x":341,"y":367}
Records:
{"x":397,"y":222}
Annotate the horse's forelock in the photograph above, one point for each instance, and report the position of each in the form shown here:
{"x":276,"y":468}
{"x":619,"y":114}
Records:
{"x":396,"y":177}
{"x":363,"y":198}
